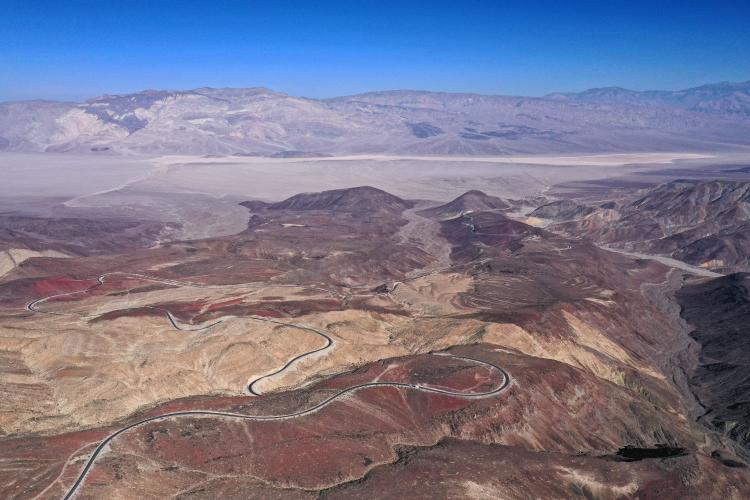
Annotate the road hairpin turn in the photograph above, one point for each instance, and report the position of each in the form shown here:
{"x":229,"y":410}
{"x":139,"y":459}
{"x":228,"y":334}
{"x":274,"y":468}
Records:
{"x":251,"y":387}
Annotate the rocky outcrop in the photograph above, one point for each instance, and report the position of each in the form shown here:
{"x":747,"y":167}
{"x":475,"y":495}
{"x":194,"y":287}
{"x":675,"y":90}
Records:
{"x":562,"y":210}
{"x":705,"y":223}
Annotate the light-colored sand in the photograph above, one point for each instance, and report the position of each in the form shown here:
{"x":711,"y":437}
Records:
{"x":67,"y":176}
{"x":80,"y":176}
{"x":613,"y":159}
{"x":434,"y":178}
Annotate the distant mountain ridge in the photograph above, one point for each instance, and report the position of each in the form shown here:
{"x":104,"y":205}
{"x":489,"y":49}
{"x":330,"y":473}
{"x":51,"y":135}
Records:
{"x":725,"y":98}
{"x":361,"y":200}
{"x":259,"y":121}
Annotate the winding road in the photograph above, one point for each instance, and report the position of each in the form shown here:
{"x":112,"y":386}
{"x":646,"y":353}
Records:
{"x":329,"y":343}
{"x":506,"y":381}
{"x":667,"y":261}
{"x":33,"y":305}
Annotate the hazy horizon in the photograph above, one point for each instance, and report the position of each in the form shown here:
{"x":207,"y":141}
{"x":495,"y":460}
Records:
{"x":383,"y":90}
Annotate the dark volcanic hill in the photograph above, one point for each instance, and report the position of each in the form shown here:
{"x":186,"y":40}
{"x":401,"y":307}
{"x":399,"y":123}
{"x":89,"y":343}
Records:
{"x":341,"y":235}
{"x":363,"y":199}
{"x":470,"y":201}
{"x":259,"y":121}
{"x":701,"y":222}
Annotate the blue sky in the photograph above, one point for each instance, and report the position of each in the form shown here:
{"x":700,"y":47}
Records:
{"x":77,"y":49}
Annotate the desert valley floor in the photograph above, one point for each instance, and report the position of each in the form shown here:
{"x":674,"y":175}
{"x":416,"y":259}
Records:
{"x":374,"y":327}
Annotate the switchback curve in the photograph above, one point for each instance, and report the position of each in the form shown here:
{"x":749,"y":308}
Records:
{"x":506,"y":381}
{"x":329,"y":342}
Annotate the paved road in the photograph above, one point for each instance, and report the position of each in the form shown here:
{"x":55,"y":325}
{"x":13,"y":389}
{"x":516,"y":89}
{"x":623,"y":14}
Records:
{"x":329,"y":343}
{"x":506,"y":380}
{"x":33,"y":305}
{"x":667,"y":261}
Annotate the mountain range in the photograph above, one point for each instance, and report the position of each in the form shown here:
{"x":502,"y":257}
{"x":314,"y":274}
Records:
{"x":726,"y":98}
{"x":380,"y":339}
{"x":258,"y":121}
{"x":704,"y":223}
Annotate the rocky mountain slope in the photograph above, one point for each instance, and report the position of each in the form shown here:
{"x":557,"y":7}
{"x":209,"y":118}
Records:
{"x":261,"y":121}
{"x":464,"y":469}
{"x":704,"y":223}
{"x":562,"y":210}
{"x":719,"y":312}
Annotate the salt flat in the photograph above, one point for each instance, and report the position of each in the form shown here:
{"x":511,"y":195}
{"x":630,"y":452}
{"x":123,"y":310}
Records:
{"x":429,"y":177}
{"x":202,"y":192}
{"x":65,"y":175}
{"x":613,"y":159}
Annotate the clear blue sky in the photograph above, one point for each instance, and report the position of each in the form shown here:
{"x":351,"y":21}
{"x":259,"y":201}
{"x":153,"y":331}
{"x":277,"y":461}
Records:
{"x":75,"y":49}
